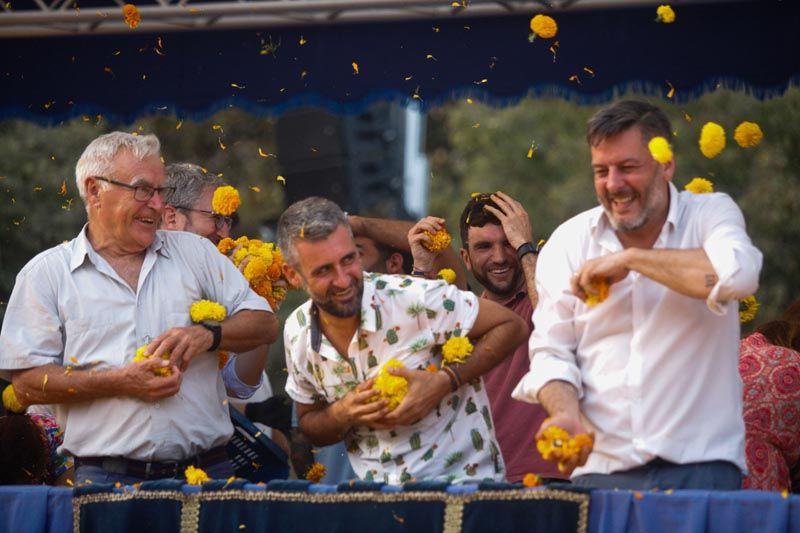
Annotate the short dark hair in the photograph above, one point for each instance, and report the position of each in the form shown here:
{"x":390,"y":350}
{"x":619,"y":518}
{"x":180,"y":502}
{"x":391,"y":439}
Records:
{"x":475,"y":216}
{"x":621,"y":116}
{"x":312,"y":219}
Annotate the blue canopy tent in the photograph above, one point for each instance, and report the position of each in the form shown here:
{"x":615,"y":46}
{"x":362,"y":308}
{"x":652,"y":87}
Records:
{"x":192,"y":74}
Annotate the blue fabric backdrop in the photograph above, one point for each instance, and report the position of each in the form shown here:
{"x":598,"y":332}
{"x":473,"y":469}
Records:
{"x":193,"y":74}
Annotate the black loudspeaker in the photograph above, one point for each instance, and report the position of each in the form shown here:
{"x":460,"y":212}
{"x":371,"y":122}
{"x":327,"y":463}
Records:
{"x":354,"y":160}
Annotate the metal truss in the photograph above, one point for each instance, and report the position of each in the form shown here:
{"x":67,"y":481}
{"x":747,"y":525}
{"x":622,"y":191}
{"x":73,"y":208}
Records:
{"x":31,"y":18}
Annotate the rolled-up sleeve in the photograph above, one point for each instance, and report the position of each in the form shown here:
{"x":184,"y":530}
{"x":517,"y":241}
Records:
{"x":553,"y":342}
{"x":32,"y":331}
{"x":736,"y":261}
{"x":234,"y":385}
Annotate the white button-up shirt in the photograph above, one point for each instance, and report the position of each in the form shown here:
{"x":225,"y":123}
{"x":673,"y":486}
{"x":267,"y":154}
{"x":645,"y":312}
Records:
{"x":656,"y":371}
{"x":408,"y":319}
{"x":69,"y":307}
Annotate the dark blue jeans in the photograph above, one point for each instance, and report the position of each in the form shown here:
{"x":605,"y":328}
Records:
{"x":96,"y":474}
{"x":662,"y":475}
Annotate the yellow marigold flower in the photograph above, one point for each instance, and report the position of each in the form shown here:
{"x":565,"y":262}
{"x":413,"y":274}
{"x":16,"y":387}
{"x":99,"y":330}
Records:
{"x":447,"y":274}
{"x":748,"y":134}
{"x":226,"y":200}
{"x":437,"y":241}
{"x":660,"y":150}
{"x":256,"y":267}
{"x":602,"y":293}
{"x":10,"y":401}
{"x":456,"y":349}
{"x":748,"y":309}
{"x":391,"y":388}
{"x":552,"y":443}
{"x":712,"y":140}
{"x":239,"y":255}
{"x":132,"y":15}
{"x":226,"y":245}
{"x":161,"y":371}
{"x":665,"y":14}
{"x":195,"y":476}
{"x":700,"y":186}
{"x":207,"y":310}
{"x":531,"y":480}
{"x":316,"y":472}
{"x":544,"y":26}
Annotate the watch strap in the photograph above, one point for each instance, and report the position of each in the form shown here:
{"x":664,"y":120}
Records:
{"x":216,"y":331}
{"x":526,"y":248}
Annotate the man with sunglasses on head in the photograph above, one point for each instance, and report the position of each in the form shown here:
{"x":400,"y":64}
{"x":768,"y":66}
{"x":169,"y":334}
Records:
{"x":80,"y":310}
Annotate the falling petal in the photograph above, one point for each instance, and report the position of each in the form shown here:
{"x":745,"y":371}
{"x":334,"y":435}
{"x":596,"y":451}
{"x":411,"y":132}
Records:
{"x":430,"y":56}
{"x":63,"y":191}
{"x":355,"y":67}
{"x":44,"y":382}
{"x":575,"y":78}
{"x":469,"y":101}
{"x":588,"y":71}
{"x":302,"y":40}
{"x":221,"y":144}
{"x":476,"y":125}
{"x":281,"y":180}
{"x":237,"y":86}
{"x":255,"y":188}
{"x":179,"y":125}
{"x":671,"y":91}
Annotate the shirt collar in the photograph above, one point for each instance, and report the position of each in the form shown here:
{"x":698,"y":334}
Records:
{"x":368,"y":322}
{"x":82,"y":248}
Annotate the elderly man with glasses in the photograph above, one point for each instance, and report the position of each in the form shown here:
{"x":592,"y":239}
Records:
{"x":80,"y":310}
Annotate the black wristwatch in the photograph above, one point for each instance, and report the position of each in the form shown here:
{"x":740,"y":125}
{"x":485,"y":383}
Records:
{"x":216,"y":330}
{"x":527,"y":248}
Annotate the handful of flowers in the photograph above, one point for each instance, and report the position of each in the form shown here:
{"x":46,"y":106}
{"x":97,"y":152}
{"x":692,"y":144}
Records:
{"x":264,"y":267}
{"x":391,"y":388}
{"x":602,"y":293}
{"x":161,"y":371}
{"x":558,"y":445}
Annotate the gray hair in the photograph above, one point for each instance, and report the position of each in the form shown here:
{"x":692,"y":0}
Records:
{"x":190,"y":181}
{"x":97,"y":159}
{"x":621,"y":116}
{"x":312,"y":219}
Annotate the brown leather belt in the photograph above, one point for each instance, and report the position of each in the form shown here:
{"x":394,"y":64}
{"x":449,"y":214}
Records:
{"x":154,"y":470}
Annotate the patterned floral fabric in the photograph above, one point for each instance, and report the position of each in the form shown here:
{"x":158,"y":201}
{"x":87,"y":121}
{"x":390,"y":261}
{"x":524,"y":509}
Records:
{"x":408,"y":319}
{"x":55,"y":437}
{"x":771,"y":376}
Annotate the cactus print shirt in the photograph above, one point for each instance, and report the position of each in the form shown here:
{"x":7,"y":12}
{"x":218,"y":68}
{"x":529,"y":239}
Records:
{"x":409,"y":319}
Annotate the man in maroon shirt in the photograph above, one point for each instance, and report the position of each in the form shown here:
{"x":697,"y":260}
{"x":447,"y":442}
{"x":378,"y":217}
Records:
{"x":498,"y":248}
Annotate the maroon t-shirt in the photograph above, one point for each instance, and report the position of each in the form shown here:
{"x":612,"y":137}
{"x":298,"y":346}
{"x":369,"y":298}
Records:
{"x":516,"y":422}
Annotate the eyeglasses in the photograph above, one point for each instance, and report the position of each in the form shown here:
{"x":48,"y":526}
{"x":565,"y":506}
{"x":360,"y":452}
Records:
{"x":141,"y":193}
{"x":220,"y":221}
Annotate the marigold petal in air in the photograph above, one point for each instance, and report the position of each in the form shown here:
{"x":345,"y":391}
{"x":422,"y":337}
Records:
{"x":748,"y":134}
{"x":10,"y":401}
{"x":391,"y":388}
{"x":226,"y":200}
{"x":447,"y":274}
{"x":437,"y":241}
{"x":665,"y":14}
{"x":532,"y":480}
{"x":544,"y":26}
{"x":712,"y":140}
{"x":203,"y":310}
{"x":700,"y":186}
{"x":456,"y":349}
{"x":660,"y":150}
{"x":195,"y":476}
{"x":132,"y":16}
{"x":748,"y":309}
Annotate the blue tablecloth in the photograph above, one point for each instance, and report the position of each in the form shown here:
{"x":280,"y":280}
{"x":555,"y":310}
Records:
{"x":47,"y":509}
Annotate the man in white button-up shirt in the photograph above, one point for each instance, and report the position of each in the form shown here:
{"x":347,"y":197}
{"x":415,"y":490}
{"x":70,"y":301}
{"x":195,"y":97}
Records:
{"x":79,"y":311}
{"x":652,"y":370}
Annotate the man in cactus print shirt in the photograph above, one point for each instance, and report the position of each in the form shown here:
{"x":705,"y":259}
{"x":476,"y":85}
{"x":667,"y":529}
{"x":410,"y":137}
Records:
{"x":338,"y":341}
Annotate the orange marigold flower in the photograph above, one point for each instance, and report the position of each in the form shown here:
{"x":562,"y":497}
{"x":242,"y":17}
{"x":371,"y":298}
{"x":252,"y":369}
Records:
{"x":316,"y":472}
{"x":531,"y":480}
{"x":602,"y":293}
{"x":544,"y":26}
{"x":748,"y":134}
{"x":437,"y":241}
{"x":665,"y":14}
{"x":226,"y":245}
{"x":132,"y":16}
